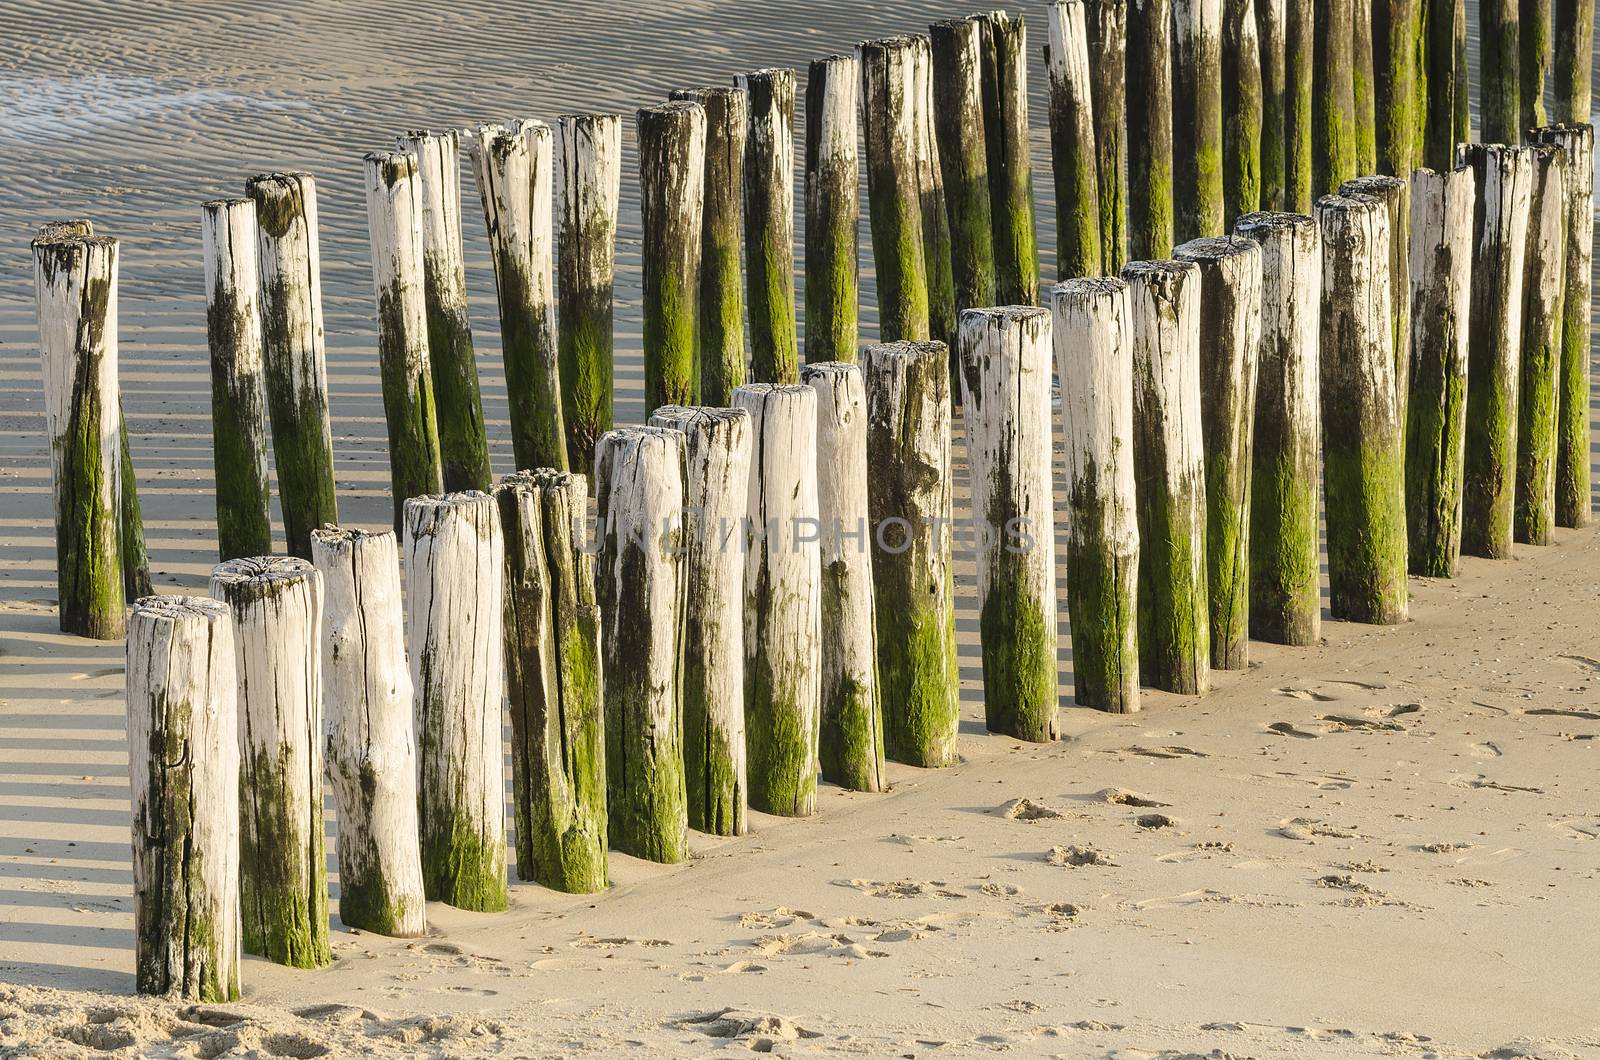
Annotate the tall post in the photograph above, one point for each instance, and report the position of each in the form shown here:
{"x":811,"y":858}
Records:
{"x":1197,"y":119}
{"x":1533,"y":64}
{"x":1149,"y":91}
{"x":1108,"y":59}
{"x":294,"y":364}
{"x":1272,"y":26}
{"x":183,"y":771}
{"x":1005,"y":367}
{"x":130,"y":517}
{"x":276,"y":604}
{"x":1395,"y":25}
{"x":1395,"y":195}
{"x":1333,"y":111}
{"x":1573,"y":69}
{"x":1242,"y":111}
{"x":1080,"y":233}
{"x":936,"y":240}
{"x":672,"y":146}
{"x":1500,"y":60}
{"x":769,"y":224}
{"x":1005,"y":127}
{"x":956,"y":47}
{"x":894,"y":198}
{"x":1463,"y":116}
{"x":1361,"y":87}
{"x":833,"y":183}
{"x":1299,"y":99}
{"x":1445,"y":84}
{"x":1544,"y":278}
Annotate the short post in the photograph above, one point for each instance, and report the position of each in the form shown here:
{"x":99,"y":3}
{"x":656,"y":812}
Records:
{"x":1436,"y":424}
{"x":716,"y":498}
{"x":1197,"y":119}
{"x":1300,"y":58}
{"x":1272,"y":28}
{"x":1094,"y":361}
{"x":463,"y":444}
{"x":1169,"y":458}
{"x":183,"y":769}
{"x":372,"y":747}
{"x":1544,"y":279}
{"x":1005,"y":358}
{"x":1243,"y":126}
{"x":1396,"y":48}
{"x":1500,"y":60}
{"x":1572,"y":71}
{"x":238,"y":420}
{"x":769,"y":224}
{"x":135,"y":557}
{"x":1005,"y":125}
{"x":1333,"y":112}
{"x":591,"y":186}
{"x":1285,"y":545}
{"x":294,"y":363}
{"x":75,"y":284}
{"x":1149,"y":93}
{"x":1395,"y":195}
{"x":276,"y":604}
{"x":1363,"y":440}
{"x":1446,"y":85}
{"x":553,"y":682}
{"x":1503,"y":176}
{"x":1361,"y":93}
{"x":833,"y":182}
{"x":672,"y":159}
{"x":455,"y":564}
{"x":956,"y":47}
{"x":1107,"y":22}
{"x":894,"y":197}
{"x":515,"y":172}
{"x":909,"y":510}
{"x":1230,"y":332}
{"x":639,"y":583}
{"x":851,"y":740}
{"x":1073,"y":156}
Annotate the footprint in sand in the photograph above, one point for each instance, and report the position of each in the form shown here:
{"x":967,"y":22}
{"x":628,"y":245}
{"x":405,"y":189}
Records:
{"x":741,"y":1023}
{"x":1123,"y":797}
{"x":589,"y":942}
{"x":743,"y":968}
{"x":1028,"y":810}
{"x":1445,"y":848}
{"x":815,"y":944}
{"x":1076,"y":856}
{"x":1155,"y":820}
{"x":1304,"y":693}
{"x":780,"y":917}
{"x":1284,"y":728}
{"x":999,"y":890}
{"x":901,"y":888}
{"x":1350,"y":722}
{"x":1309,"y":829}
{"x":1169,"y":751}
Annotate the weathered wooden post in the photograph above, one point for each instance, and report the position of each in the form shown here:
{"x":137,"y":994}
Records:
{"x":639,"y":584}
{"x":591,"y":186}
{"x":1107,"y":22}
{"x":1149,"y":95}
{"x":720,"y":308}
{"x":1503,"y":176}
{"x":936,"y":248}
{"x":909,"y":506}
{"x":463,"y":443}
{"x":75,"y":284}
{"x":1363,"y":441}
{"x":1396,"y":47}
{"x":1361,"y":92}
{"x":894,"y":197}
{"x":1005,"y":358}
{"x":135,"y":557}
{"x":183,"y":769}
{"x":672,"y":147}
{"x":1573,"y":69}
{"x":294,"y":364}
{"x":1094,"y":361}
{"x":716,"y":500}
{"x":238,"y":420}
{"x":769,"y":224}
{"x":553,"y":682}
{"x":455,"y":561}
{"x":956,"y":48}
{"x":1079,"y":219}
{"x":1230,"y":330}
{"x":1272,"y":30}
{"x":1544,"y":279}
{"x":276,"y":604}
{"x":783,"y":599}
{"x":851,"y":739}
{"x":515,"y":172}
{"x":1005,"y":126}
{"x":1243,"y":125}
{"x":833,"y":183}
{"x":1333,"y":113}
{"x":1169,"y":458}
{"x":371,"y":749}
{"x":1395,"y":195}
{"x":1447,"y":85}
{"x":1463,"y":115}
{"x":394,"y":227}
{"x":1436,"y":424}
{"x":1285,"y":550}
{"x":1300,"y":57}
{"x":1499,"y":58}
{"x":1196,"y":119}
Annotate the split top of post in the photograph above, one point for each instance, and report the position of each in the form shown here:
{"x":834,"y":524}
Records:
{"x":906,"y":350}
{"x":343,"y":535}
{"x":542,"y":478}
{"x":775,"y":388}
{"x":672,"y":109}
{"x":177,"y":608}
{"x":827,"y":368}
{"x":1085,"y":287}
{"x":888,"y":45}
{"x":435,"y":501}
{"x":1216,"y":248}
{"x":1263,"y":221}
{"x":391,"y":167}
{"x":1377,"y":185}
{"x":265,"y":572}
{"x":59,"y":231}
{"x":1008,"y":314}
{"x":686,"y":417}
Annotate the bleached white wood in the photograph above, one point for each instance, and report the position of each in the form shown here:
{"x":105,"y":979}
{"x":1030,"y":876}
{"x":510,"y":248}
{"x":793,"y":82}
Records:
{"x":1544,"y":280}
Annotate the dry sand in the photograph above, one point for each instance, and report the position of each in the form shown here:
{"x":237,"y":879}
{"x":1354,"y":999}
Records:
{"x":1382,"y":845}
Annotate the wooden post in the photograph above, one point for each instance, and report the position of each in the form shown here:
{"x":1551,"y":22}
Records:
{"x":936,"y":240}
{"x":1094,"y":361}
{"x":463,"y":443}
{"x":639,"y":583}
{"x":183,"y":769}
{"x":591,"y":186}
{"x":1149,"y":93}
{"x":1333,"y":113}
{"x":75,"y":283}
{"x":1005,"y":125}
{"x":372,"y":750}
{"x":1196,"y":119}
{"x":1005,"y":367}
{"x":130,"y":517}
{"x":455,"y":562}
{"x":851,"y":740}
{"x":553,"y":682}
{"x":1395,"y":25}
{"x":1395,"y":195}
{"x":1242,"y":116}
{"x":1544,"y":280}
{"x":956,"y":47}
{"x":1573,"y":69}
{"x":894,"y":197}
{"x":672,"y":150}
{"x":1572,"y":424}
{"x":1108,"y":59}
{"x":909,"y":503}
{"x":1080,"y":232}
{"x":1445,"y":84}
{"x":1535,"y":45}
{"x":769,"y":224}
{"x":720,"y":307}
{"x":515,"y":171}
{"x":1272,"y":24}
{"x":276,"y":604}
{"x":716,"y":499}
{"x":1500,"y":59}
{"x":394,"y":225}
{"x":1285,"y":545}
{"x":833,"y":182}
{"x":238,"y":421}
{"x":1230,"y":330}
{"x":1463,"y":115}
{"x":1436,"y":424}
{"x":1361,"y":87}
{"x":1299,"y":110}
{"x":294,"y":365}
{"x":1169,"y":458}
{"x":1363,"y":442}
{"x":1503,"y":176}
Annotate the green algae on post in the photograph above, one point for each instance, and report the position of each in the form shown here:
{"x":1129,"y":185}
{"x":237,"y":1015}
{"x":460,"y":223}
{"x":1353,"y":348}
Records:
{"x":1544,"y":281}
{"x":1197,"y":119}
{"x":769,"y":224}
{"x":1299,"y":97}
{"x":1073,"y":156}
{"x":1333,"y":108}
{"x":1005,"y":127}
{"x":1395,"y":48}
{"x":833,"y":182}
{"x":1499,"y":71}
{"x":894,"y":197}
{"x":1395,"y":195}
{"x":1149,"y":97}
{"x":1243,"y":125}
{"x":956,"y":47}
{"x":1572,"y":72}
{"x":1272,"y":28}
{"x":672,"y":146}
{"x":1108,"y":55}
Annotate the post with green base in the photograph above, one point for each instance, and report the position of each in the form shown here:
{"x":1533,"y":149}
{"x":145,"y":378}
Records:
{"x":1149,"y":93}
{"x":1107,"y":22}
{"x":956,"y":46}
{"x":1197,"y":119}
{"x":1572,"y":71}
{"x":894,"y":197}
{"x":672,"y":148}
{"x":1361,"y":87}
{"x":1447,"y":84}
{"x":1272,"y":29}
{"x":1242,"y":111}
{"x":769,"y":225}
{"x":1073,"y":156}
{"x":1395,"y":48}
{"x":833,"y":184}
{"x":1299,"y":98}
{"x":1500,"y":64}
{"x":1544,"y":277}
{"x":1005,"y":125}
{"x":937,"y":259}
{"x":1395,"y":195}
{"x":135,"y":557}
{"x":1333,"y":108}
